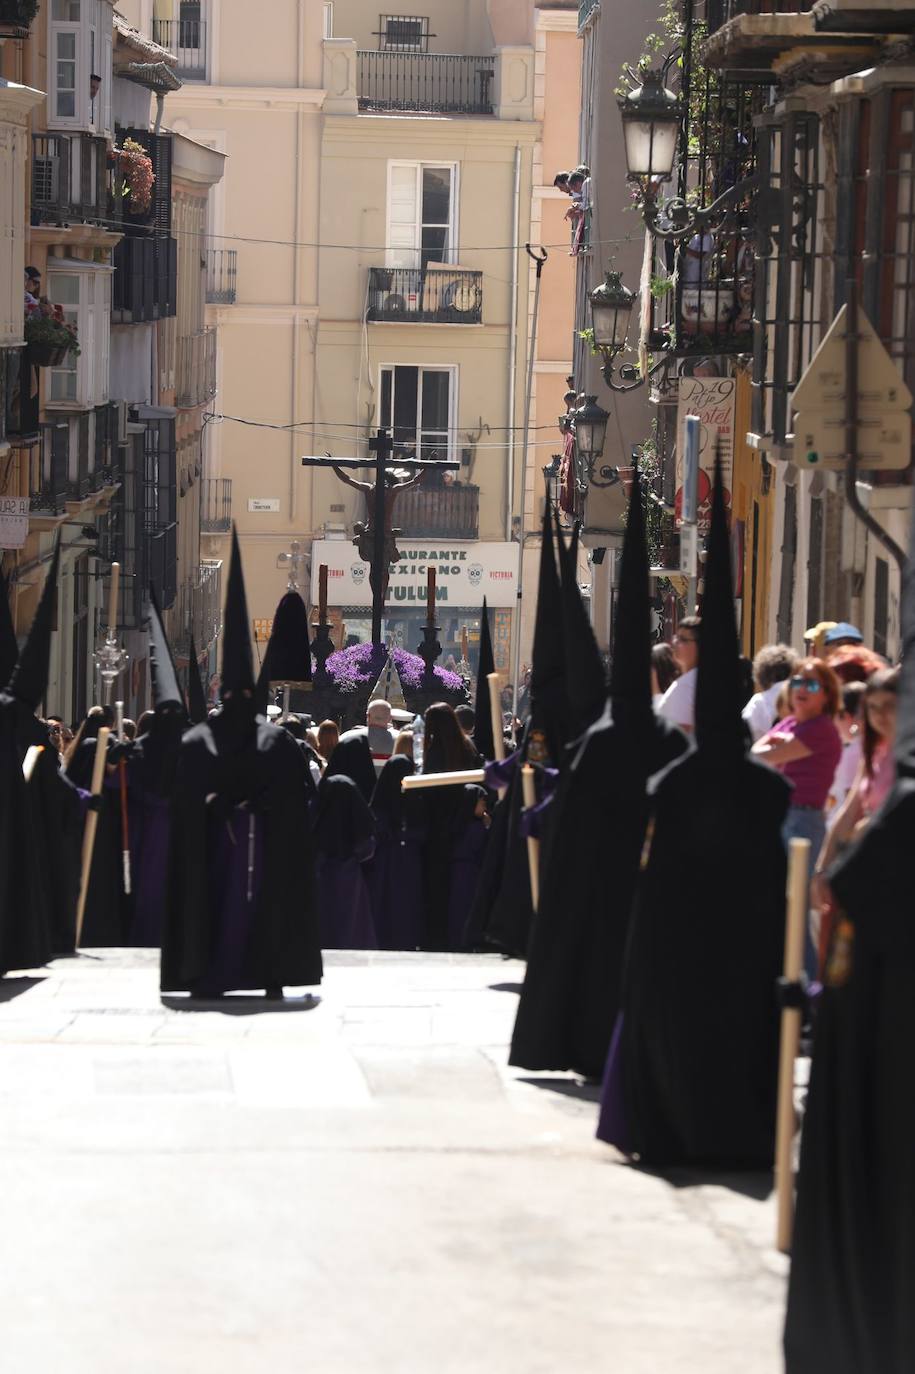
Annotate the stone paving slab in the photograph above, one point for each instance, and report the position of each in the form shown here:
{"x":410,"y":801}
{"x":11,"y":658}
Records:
{"x":364,"y":1187}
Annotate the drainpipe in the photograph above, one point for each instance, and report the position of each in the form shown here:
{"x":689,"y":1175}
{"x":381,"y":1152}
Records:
{"x":160,"y":110}
{"x":513,"y":351}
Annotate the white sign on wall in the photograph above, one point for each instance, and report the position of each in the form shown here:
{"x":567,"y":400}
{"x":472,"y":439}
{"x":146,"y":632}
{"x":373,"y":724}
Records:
{"x":465,"y":573}
{"x":263,"y":503}
{"x":14,"y":521}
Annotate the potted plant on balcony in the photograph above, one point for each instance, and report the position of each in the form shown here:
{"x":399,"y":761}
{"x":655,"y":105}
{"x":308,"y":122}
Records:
{"x":17,"y":15}
{"x":48,"y":336}
{"x":135,"y":165}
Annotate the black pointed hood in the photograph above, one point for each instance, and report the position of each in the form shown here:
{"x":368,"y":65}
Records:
{"x":196,"y":696}
{"x":482,"y":729}
{"x":905,"y":710}
{"x":166,"y":691}
{"x":9,"y":647}
{"x":237,"y":663}
{"x":630,"y":675}
{"x":289,"y":645}
{"x":29,"y":681}
{"x":720,"y":730}
{"x":549,"y":702}
{"x":586,"y":683}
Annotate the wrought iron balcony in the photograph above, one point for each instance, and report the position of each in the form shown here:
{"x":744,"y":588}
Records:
{"x":187,"y":39}
{"x":585,"y":9}
{"x":19,"y":395}
{"x":197,"y":609}
{"x":721,"y":11}
{"x":748,"y":35}
{"x":16,"y":16}
{"x":436,"y":294}
{"x":438,"y":512}
{"x":196,"y":371}
{"x":71,"y":180}
{"x":50,"y":474}
{"x":222,"y":274}
{"x":216,"y":505}
{"x":425,"y":83}
{"x":145,"y":279}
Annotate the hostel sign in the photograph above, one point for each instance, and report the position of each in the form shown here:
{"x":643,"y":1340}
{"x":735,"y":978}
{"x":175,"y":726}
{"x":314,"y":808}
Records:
{"x":465,"y":573}
{"x":14,"y":521}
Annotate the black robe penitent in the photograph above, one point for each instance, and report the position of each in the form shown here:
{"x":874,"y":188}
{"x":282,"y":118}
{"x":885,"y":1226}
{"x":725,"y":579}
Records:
{"x":698,"y":1049}
{"x":851,"y":1296}
{"x":570,"y":998}
{"x":25,"y":936}
{"x":261,"y":768}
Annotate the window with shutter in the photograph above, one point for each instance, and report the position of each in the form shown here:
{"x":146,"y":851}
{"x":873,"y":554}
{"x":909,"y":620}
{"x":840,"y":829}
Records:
{"x":421,"y":214}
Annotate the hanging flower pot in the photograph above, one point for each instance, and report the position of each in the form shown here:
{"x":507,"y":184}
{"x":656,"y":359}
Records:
{"x":48,"y":338}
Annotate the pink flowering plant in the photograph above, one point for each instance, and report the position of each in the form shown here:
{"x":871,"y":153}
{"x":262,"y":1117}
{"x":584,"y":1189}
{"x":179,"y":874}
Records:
{"x":135,"y":166}
{"x":361,"y":664}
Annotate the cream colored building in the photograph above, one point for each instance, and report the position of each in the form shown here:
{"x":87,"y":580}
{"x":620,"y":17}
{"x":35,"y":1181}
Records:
{"x":403,"y":146}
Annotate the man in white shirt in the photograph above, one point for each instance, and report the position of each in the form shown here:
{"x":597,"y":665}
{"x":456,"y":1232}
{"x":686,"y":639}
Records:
{"x":678,"y":704}
{"x":772,"y":666}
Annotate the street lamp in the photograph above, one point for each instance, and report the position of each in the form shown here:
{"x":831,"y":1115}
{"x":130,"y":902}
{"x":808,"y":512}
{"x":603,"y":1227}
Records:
{"x":611,"y":307}
{"x":552,"y":472}
{"x":651,"y":117}
{"x":590,"y":422}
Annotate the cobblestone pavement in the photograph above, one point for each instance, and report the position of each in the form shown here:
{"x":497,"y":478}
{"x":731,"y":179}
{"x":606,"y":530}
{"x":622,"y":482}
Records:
{"x":356,"y":1186}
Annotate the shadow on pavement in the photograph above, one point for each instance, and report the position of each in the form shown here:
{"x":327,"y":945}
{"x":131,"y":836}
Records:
{"x":240,"y":1004}
{"x":752,"y":1183}
{"x":15,"y":987}
{"x":505,"y":987}
{"x":581,"y":1089}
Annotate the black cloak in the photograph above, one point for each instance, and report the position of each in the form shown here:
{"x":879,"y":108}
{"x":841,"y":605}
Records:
{"x":107,"y":918}
{"x":482,"y":726}
{"x":697,"y":1056}
{"x":570,"y":998}
{"x":343,"y":824}
{"x":352,"y":757}
{"x":232,"y":768}
{"x":196,"y":697}
{"x":850,"y":1294}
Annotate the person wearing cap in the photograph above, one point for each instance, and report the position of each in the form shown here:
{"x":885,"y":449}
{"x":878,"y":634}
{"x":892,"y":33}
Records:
{"x":815,"y":636}
{"x":841,"y":634}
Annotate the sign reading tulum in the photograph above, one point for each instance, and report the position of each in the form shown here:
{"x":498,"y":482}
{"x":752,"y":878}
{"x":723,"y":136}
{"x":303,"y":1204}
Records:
{"x":464,"y":573}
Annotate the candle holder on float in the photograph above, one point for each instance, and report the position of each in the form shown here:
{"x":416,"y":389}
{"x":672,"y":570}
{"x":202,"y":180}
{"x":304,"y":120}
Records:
{"x":111,"y":660}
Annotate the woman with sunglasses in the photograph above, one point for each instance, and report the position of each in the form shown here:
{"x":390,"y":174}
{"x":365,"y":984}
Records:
{"x":806,"y":748}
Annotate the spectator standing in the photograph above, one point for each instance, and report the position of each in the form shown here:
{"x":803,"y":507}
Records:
{"x":849,"y":723}
{"x":771,"y":667}
{"x":378,"y":719}
{"x":328,"y":738}
{"x":678,"y":704}
{"x":664,"y":671}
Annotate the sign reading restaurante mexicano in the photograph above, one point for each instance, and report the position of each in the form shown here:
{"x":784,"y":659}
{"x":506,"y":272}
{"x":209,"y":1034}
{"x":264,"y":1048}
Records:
{"x":465,"y":573}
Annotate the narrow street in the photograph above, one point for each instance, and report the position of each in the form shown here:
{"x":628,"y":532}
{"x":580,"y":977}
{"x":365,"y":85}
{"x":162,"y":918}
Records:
{"x":357,"y":1187}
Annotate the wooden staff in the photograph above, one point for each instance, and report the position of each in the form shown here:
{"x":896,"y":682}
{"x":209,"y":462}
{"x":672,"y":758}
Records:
{"x":795,"y":929}
{"x":122,"y":784}
{"x":419,"y":780}
{"x":113,"y":597}
{"x":529,"y":796}
{"x":322,"y":594}
{"x":98,"y":781}
{"x":430,"y":595}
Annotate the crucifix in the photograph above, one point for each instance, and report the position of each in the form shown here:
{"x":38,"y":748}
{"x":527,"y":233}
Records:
{"x":374,"y":539}
{"x":296,"y":560}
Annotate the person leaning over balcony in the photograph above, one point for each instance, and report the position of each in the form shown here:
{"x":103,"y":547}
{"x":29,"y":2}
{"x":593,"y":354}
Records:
{"x":678,"y":704}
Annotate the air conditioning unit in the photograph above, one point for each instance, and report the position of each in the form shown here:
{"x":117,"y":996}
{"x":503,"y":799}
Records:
{"x":395,"y":304}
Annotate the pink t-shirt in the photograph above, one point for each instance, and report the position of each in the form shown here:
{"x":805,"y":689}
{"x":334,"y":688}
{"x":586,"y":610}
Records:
{"x":812,"y":776}
{"x":875,"y":790}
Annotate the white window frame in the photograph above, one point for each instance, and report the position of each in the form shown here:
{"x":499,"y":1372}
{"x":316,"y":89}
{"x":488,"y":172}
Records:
{"x":452,"y":255}
{"x":453,"y":372}
{"x":328,"y":30}
{"x":93,"y":323}
{"x":94,"y":47}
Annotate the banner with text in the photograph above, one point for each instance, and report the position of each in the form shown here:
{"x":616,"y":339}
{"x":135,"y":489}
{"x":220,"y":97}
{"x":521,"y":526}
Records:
{"x":465,"y":573}
{"x":713,"y":400}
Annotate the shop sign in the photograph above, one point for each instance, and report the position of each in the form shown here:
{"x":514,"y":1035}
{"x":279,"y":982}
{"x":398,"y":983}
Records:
{"x":465,"y":573}
{"x":713,"y":400}
{"x":14,"y":521}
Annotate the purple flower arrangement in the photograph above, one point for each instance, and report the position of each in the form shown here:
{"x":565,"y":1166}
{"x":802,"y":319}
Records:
{"x":352,"y":668}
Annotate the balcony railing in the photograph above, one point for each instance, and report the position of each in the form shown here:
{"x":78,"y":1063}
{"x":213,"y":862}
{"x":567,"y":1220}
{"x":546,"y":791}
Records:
{"x":71,"y":180}
{"x":197,"y":609}
{"x":20,"y":396}
{"x":16,"y":16}
{"x":585,"y":10}
{"x":720,"y":11}
{"x":438,"y":512}
{"x":437,"y":294}
{"x":216,"y":505}
{"x":187,"y":39}
{"x":222,"y":274}
{"x":145,"y":279}
{"x":196,"y":370}
{"x":425,"y":83}
{"x":49,"y":480}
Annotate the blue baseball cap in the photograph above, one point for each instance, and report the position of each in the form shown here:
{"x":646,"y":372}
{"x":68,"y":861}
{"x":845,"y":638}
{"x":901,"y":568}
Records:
{"x":843,"y":631}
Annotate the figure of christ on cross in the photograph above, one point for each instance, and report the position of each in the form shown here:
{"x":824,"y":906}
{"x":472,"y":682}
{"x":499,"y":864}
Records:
{"x":374,"y":538}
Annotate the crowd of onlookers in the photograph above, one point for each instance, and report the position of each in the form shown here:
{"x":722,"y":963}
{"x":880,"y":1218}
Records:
{"x":825,"y":719}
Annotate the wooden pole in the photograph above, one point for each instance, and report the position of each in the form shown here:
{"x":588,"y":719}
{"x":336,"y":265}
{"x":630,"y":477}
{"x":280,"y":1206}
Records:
{"x":495,"y":707}
{"x":420,"y":780}
{"x":430,"y":594}
{"x":795,"y":930}
{"x":322,"y":594}
{"x":98,"y":781}
{"x":529,"y":796}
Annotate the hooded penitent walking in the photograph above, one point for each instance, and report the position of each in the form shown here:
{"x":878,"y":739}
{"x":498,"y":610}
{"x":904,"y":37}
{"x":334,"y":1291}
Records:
{"x":850,"y":1296}
{"x":345,"y":840}
{"x":152,"y":769}
{"x":241,"y":911}
{"x":691,"y":1075}
{"x":570,"y":998}
{"x":395,"y":874}
{"x":26,"y":900}
{"x":502,"y":911}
